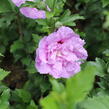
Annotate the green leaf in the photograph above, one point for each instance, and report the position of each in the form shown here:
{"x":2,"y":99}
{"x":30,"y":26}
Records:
{"x":56,"y":86}
{"x":106,"y":23}
{"x":106,"y":52}
{"x":4,"y":103}
{"x":4,"y":6}
{"x":100,"y":67}
{"x":79,"y":86}
{"x":36,"y":38}
{"x":26,"y":61}
{"x":49,"y":14}
{"x":68,"y":19}
{"x":31,"y":67}
{"x":56,"y":6}
{"x":49,"y":103}
{"x":1,"y":54}
{"x":51,"y":3}
{"x":17,"y":45}
{"x":99,"y":102}
{"x":3,"y":74}
{"x":32,"y":105}
{"x":24,"y":95}
{"x":105,"y":2}
{"x":2,"y":87}
{"x":6,"y":19}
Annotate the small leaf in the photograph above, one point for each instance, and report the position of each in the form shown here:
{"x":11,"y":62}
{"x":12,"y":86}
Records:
{"x":106,"y":52}
{"x":1,"y":55}
{"x":68,"y":19}
{"x":31,"y":67}
{"x":105,"y":2}
{"x":3,"y":74}
{"x":32,"y":105}
{"x":24,"y":95}
{"x":4,"y":103}
{"x":17,"y":45}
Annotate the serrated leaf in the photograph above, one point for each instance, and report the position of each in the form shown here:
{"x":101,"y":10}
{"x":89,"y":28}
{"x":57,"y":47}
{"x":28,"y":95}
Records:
{"x":3,"y":74}
{"x":68,"y":20}
{"x":99,"y":102}
{"x":4,"y":103}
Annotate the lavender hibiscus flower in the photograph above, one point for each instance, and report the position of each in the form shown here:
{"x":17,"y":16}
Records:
{"x":59,"y":54}
{"x":29,"y":12}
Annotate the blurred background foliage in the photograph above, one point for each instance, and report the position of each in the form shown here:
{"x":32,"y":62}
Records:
{"x":22,"y":87}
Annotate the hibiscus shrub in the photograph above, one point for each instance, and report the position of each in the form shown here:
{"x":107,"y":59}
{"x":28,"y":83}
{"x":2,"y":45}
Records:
{"x":54,"y":54}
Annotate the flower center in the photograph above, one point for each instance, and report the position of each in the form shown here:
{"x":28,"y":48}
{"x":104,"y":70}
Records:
{"x":60,"y":42}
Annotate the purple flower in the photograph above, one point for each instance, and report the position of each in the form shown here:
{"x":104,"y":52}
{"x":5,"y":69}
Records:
{"x":32,"y":13}
{"x":19,"y":2}
{"x":59,"y":54}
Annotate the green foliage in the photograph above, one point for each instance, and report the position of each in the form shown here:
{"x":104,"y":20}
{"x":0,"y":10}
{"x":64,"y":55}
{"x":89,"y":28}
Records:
{"x":106,"y":23}
{"x":105,"y":3}
{"x":4,"y":97}
{"x":98,"y":102}
{"x":93,"y":27}
{"x":32,"y":105}
{"x":76,"y":90}
{"x":5,"y":6}
{"x":19,"y":38}
{"x":24,"y":95}
{"x":22,"y":99}
{"x":68,"y":19}
{"x":16,"y":46}
{"x":3,"y":74}
{"x":57,"y":9}
{"x":100,"y":67}
{"x":81,"y":83}
{"x":106,"y":52}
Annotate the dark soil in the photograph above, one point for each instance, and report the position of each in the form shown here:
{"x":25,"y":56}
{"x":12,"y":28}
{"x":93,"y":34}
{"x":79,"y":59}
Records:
{"x":17,"y":77}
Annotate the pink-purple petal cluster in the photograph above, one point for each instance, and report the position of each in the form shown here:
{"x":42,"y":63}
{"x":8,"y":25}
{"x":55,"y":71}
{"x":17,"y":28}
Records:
{"x":20,"y":2}
{"x":59,"y":54}
{"x":33,"y":13}
{"x":29,"y":12}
